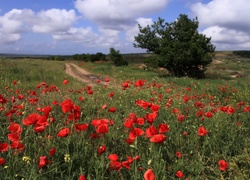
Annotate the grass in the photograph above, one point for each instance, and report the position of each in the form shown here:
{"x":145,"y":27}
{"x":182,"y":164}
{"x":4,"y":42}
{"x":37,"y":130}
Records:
{"x":122,"y":133}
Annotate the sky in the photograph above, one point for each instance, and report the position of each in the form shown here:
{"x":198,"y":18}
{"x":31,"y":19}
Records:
{"x":66,"y":27}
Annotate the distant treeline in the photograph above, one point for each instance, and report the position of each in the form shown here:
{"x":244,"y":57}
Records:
{"x":245,"y":53}
{"x":90,"y":57}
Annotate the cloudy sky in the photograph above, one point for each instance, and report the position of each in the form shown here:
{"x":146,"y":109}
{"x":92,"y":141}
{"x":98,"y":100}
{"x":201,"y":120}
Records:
{"x":90,"y":26}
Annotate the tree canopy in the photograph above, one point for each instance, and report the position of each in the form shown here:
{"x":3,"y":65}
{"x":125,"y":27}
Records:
{"x":179,"y":46}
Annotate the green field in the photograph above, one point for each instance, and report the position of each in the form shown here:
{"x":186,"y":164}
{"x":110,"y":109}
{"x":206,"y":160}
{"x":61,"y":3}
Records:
{"x":150,"y":124}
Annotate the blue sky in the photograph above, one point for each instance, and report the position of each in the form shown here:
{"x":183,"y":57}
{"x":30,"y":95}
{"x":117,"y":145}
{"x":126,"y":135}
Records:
{"x":90,"y":26}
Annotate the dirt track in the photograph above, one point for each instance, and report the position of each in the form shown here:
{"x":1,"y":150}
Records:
{"x":85,"y":76}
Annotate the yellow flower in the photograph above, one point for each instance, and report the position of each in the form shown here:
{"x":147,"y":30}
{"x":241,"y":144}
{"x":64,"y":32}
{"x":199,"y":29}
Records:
{"x":26,"y":159}
{"x":66,"y":157}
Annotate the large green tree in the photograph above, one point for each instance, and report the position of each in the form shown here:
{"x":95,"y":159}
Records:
{"x":179,"y":46}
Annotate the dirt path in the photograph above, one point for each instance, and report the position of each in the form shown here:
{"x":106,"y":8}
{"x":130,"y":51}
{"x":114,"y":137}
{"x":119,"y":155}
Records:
{"x":85,"y":76}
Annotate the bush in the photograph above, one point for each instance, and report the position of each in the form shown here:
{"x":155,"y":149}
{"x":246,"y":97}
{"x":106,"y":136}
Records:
{"x":153,"y":61}
{"x":117,"y":58}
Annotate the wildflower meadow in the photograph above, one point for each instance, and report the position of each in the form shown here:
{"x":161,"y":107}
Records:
{"x":55,"y":127}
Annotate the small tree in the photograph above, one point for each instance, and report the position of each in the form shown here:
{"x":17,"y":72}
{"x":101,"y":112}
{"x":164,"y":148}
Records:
{"x":183,"y":51}
{"x":116,"y":57}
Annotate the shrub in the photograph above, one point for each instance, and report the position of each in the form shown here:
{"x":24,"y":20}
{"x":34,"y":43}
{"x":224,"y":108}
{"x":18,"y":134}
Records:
{"x":117,"y":58}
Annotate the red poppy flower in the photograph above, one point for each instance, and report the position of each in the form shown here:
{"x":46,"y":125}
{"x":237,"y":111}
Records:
{"x":54,"y":102}
{"x":126,"y":164}
{"x":151,"y":117}
{"x":15,"y":128}
{"x":66,"y":105}
{"x":158,"y":138}
{"x":143,"y":104}
{"x":64,"y":132}
{"x":107,"y":80}
{"x":178,"y":154}
{"x":14,"y":82}
{"x":224,"y":108}
{"x":149,"y":175}
{"x":179,"y":174}
{"x":139,"y":83}
{"x":180,"y":118}
{"x":198,"y":104}
{"x":101,"y":150}
{"x":13,"y":137}
{"x":33,"y":100}
{"x":128,"y":124}
{"x":2,"y":161}
{"x":97,"y":122}
{"x":104,"y":106}
{"x":111,"y":94}
{"x":94,"y":136}
{"x":112,"y":109}
{"x":115,"y":165}
{"x":81,"y":127}
{"x":65,"y":81}
{"x":186,"y":98}
{"x":113,"y":157}
{"x":130,"y":141}
{"x":247,"y":109}
{"x":43,"y":161}
{"x":82,"y":177}
{"x":137,"y":158}
{"x":140,"y":121}
{"x":199,"y":113}
{"x":90,"y":91}
{"x":209,"y":114}
{"x":81,"y":98}
{"x":223,"y":165}
{"x":125,"y":85}
{"x":135,"y":132}
{"x":31,"y":119}
{"x":17,"y":145}
{"x":202,"y":131}
{"x":155,"y":107}
{"x":4,"y":147}
{"x":151,"y":131}
{"x":102,"y":128}
{"x":230,"y":110}
{"x":46,"y":110}
{"x":39,"y":128}
{"x":52,"y":151}
{"x":163,"y":128}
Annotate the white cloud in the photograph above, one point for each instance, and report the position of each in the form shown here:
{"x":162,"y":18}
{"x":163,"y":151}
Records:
{"x":109,"y":38}
{"x":76,"y":34}
{"x":228,"y":36}
{"x":117,"y":14}
{"x":18,"y":21}
{"x":6,"y":38}
{"x":54,"y":20}
{"x":226,"y":21}
{"x":12,"y":25}
{"x":133,"y":31}
{"x":115,"y":23}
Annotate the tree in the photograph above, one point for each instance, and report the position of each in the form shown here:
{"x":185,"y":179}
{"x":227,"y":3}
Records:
{"x":182,"y":50}
{"x":117,"y":58}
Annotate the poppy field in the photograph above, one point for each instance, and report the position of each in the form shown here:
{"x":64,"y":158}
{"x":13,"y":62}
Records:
{"x":145,"y":127}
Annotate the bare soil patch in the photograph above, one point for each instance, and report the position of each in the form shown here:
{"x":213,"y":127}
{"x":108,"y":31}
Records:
{"x":87,"y":77}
